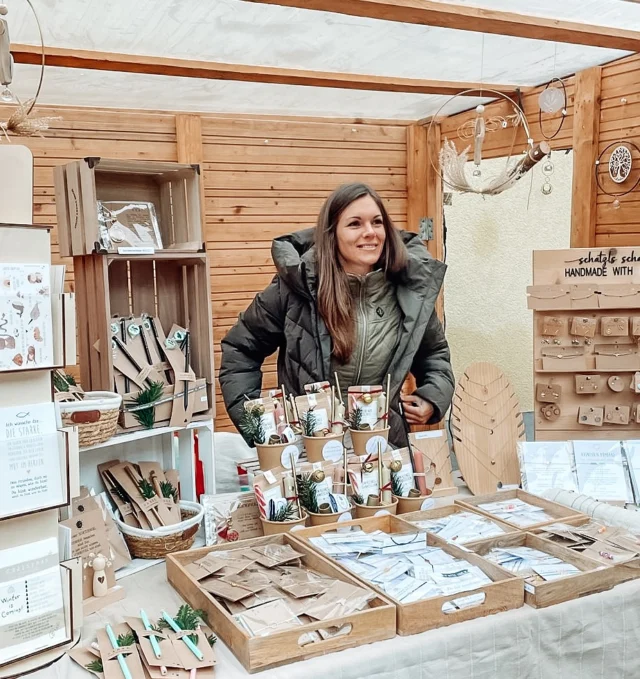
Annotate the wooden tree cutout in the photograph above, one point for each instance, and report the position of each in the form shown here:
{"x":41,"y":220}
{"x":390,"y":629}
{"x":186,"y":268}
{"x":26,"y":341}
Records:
{"x":486,"y":424}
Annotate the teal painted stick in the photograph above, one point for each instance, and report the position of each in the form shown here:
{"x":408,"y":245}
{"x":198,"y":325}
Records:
{"x":121,"y":661}
{"x":190,"y":645}
{"x":154,"y":642}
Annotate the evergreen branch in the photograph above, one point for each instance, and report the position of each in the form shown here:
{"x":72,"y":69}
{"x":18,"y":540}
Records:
{"x":127,"y":639}
{"x":354,"y":418}
{"x":212,"y":638}
{"x":147,"y":416}
{"x":169,"y":490}
{"x":62,"y":381}
{"x":95,"y":665}
{"x":251,"y":425}
{"x":314,"y":389}
{"x":397,"y":487}
{"x":308,"y":422}
{"x":146,"y":489}
{"x":288,"y":512}
{"x":186,"y":618}
{"x":307,"y":493}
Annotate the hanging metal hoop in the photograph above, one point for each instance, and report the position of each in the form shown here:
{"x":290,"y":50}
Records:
{"x":619,"y":142}
{"x":522,"y":119}
{"x":563,"y":110}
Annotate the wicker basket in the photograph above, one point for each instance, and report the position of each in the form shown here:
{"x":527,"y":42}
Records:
{"x":96,"y":416}
{"x":156,"y":544}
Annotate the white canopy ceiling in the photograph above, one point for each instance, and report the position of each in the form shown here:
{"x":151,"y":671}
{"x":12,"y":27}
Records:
{"x":233,"y":31}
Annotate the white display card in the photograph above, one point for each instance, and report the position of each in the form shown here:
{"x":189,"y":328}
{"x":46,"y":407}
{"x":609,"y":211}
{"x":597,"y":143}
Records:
{"x":32,"y":470}
{"x":32,"y":614}
{"x":545,"y":465}
{"x":600,"y":471}
{"x":26,"y":331}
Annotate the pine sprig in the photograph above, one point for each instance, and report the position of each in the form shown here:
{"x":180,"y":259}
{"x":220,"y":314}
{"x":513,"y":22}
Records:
{"x":357,"y":498}
{"x":95,"y":665}
{"x":308,"y":493}
{"x":251,"y":425}
{"x":212,"y":638}
{"x":309,"y":423}
{"x":287,"y":512}
{"x":354,"y":418}
{"x":147,"y":416}
{"x":62,"y":381}
{"x":397,"y":487}
{"x":146,"y":489}
{"x":169,"y":490}
{"x":186,"y":618}
{"x":127,"y":639}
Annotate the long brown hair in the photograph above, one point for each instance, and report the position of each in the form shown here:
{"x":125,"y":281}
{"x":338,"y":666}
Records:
{"x":335,"y":302}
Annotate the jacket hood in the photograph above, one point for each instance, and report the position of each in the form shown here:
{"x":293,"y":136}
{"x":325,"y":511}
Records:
{"x":295,"y":259}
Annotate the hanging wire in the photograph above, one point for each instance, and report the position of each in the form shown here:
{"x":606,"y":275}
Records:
{"x":37,"y":94}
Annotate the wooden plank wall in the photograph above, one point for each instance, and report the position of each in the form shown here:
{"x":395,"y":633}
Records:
{"x":262,"y":177}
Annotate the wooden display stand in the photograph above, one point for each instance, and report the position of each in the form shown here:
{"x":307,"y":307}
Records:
{"x":586,"y":315}
{"x":169,"y":284}
{"x":31,"y":245}
{"x":486,"y":424}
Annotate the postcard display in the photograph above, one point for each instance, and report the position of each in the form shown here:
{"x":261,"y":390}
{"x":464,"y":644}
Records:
{"x":586,"y":313}
{"x":40,"y":597}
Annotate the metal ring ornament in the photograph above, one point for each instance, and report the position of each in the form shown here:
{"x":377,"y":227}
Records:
{"x":563,"y":110}
{"x":599,"y":162}
{"x":500,"y":95}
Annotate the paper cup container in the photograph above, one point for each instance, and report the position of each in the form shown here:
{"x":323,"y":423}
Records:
{"x":324,"y":519}
{"x":410,"y":504}
{"x":271,"y":457}
{"x":325,"y":448}
{"x":362,"y":439}
{"x":364,"y":511}
{"x":275,"y":527}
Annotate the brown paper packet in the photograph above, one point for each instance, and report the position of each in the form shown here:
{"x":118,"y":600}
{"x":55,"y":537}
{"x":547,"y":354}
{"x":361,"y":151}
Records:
{"x":320,"y":405}
{"x":341,"y":599}
{"x":154,"y":473}
{"x":108,"y":655}
{"x":370,"y":400}
{"x":153,"y":509}
{"x":272,"y":555}
{"x":253,"y":581}
{"x":84,"y":657}
{"x":169,"y":657}
{"x":317,"y":388}
{"x":125,"y":508}
{"x":188,"y":660}
{"x":268,"y":618}
{"x":218,"y":588}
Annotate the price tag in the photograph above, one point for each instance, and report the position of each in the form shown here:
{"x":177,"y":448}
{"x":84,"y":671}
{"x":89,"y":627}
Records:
{"x":269,"y":475}
{"x":285,"y":456}
{"x":332,"y":451}
{"x":429,"y":503}
{"x":374,"y":442}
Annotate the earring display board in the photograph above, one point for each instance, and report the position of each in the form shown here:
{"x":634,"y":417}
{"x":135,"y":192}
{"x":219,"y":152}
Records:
{"x":486,"y":424}
{"x":586,"y":315}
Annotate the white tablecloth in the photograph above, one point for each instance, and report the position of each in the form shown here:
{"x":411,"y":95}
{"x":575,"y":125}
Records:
{"x":596,"y":637}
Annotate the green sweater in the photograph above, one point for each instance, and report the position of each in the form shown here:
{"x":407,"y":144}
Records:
{"x":378,"y":321}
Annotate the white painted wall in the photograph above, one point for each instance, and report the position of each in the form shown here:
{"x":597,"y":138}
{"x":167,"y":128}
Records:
{"x":489,"y":247}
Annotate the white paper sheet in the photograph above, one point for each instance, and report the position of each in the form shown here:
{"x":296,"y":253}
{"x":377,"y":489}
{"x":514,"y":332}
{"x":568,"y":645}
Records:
{"x":31,"y":473}
{"x":26,"y":331}
{"x":600,"y":471}
{"x":546,"y":465}
{"x":31,"y":600}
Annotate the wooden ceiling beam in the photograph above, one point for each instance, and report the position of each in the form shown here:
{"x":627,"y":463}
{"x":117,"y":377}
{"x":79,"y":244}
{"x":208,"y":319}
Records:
{"x":465,"y":18}
{"x":187,"y":68}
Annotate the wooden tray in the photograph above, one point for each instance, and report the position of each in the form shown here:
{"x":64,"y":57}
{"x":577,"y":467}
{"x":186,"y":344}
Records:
{"x":594,"y":577}
{"x":439,"y":512}
{"x":505,"y":593}
{"x":557,"y":511}
{"x":259,"y":653}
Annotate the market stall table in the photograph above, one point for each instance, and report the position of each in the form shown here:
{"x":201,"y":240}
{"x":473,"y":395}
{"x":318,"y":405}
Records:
{"x":593,"y":637}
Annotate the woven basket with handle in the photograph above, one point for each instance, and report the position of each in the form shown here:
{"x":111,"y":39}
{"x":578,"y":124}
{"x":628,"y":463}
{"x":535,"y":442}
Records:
{"x":96,"y":416}
{"x":156,"y":544}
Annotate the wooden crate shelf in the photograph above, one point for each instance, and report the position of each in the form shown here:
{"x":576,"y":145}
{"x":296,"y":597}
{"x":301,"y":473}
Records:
{"x":173,"y":188}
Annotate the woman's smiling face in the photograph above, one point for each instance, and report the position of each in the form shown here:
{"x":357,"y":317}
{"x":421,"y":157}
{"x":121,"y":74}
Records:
{"x":360,"y":235}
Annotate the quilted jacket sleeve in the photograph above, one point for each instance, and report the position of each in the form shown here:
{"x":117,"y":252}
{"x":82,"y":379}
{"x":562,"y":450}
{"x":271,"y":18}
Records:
{"x":256,"y":335}
{"x":432,"y":369}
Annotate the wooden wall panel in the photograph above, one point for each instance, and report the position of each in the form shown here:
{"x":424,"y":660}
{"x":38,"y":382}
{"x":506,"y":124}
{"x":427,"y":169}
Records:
{"x":262,"y":178}
{"x":265,"y":178}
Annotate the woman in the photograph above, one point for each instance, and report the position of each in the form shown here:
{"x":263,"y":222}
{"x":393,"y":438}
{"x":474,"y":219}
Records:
{"x":354,"y":297}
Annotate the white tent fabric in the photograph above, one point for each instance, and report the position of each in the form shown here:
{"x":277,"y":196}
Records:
{"x":238,"y":32}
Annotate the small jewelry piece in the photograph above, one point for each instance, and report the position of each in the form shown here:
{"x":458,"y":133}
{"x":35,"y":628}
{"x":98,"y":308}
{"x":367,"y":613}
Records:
{"x":547,"y":171}
{"x":179,"y":335}
{"x":170,"y":343}
{"x":114,"y":328}
{"x":133,"y":329}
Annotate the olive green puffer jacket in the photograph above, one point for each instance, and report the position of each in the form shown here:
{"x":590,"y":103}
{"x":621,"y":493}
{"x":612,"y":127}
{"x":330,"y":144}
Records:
{"x":285,"y":317}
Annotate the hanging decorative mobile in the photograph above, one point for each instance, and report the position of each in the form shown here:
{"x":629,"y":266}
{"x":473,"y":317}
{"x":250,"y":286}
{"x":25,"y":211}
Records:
{"x":452,"y":168}
{"x":619,"y":165}
{"x":547,"y":171}
{"x":552,"y":99}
